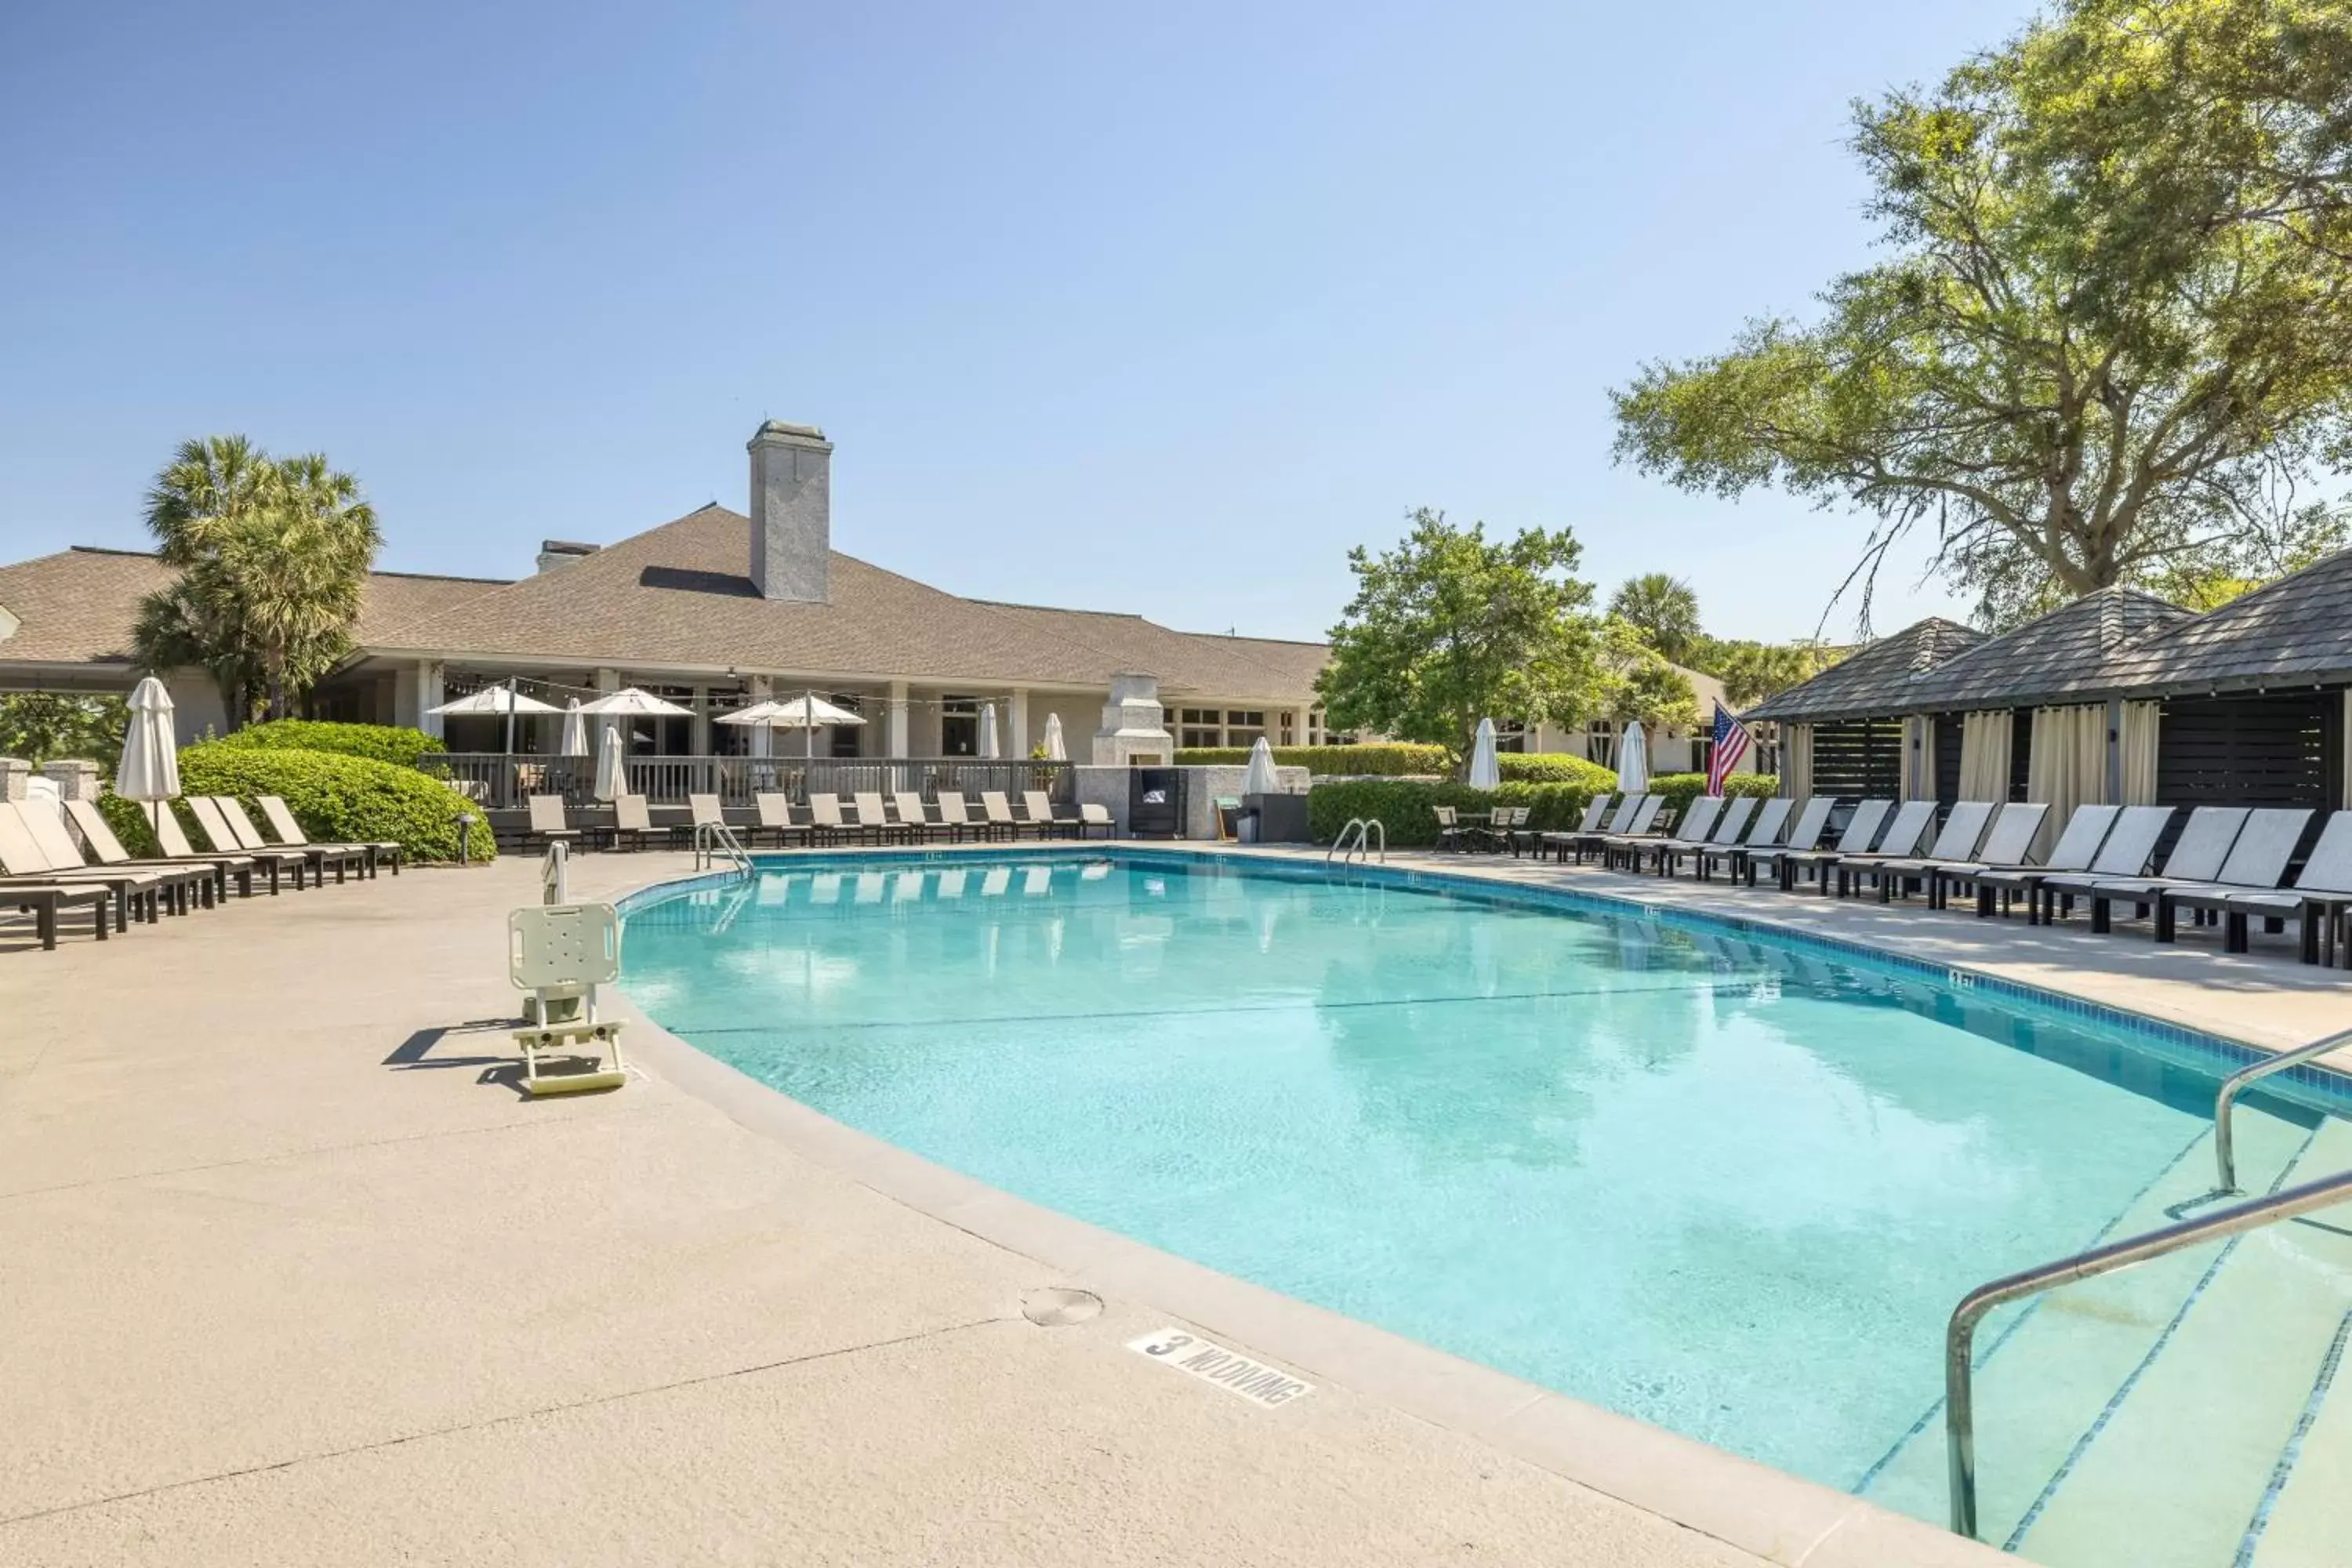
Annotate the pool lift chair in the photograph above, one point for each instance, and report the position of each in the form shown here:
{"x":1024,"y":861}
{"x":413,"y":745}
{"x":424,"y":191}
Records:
{"x":560,"y":953}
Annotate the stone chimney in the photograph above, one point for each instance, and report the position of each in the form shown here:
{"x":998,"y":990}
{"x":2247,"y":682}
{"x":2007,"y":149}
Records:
{"x":1134,"y":725}
{"x":555,"y":552}
{"x":791,"y":511}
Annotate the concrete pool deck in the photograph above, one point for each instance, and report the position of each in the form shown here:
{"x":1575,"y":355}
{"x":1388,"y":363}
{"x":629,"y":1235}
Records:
{"x":293,"y":1275}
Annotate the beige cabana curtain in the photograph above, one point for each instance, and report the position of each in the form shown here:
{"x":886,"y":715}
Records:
{"x":2066,"y":765}
{"x":1984,"y":753}
{"x":2136,"y":742}
{"x":1796,"y":761}
{"x":1919,"y":757}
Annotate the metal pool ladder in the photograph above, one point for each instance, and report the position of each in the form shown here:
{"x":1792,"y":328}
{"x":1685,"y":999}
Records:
{"x":1959,"y":1415}
{"x":1358,"y":848}
{"x":714,"y":841}
{"x":2224,"y":1156}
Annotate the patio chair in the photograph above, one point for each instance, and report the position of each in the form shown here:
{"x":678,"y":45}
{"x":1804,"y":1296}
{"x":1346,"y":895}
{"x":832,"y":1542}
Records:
{"x":913,"y":820}
{"x":1729,"y":823}
{"x":1039,"y":808}
{"x":223,"y":838}
{"x":23,"y":865}
{"x":1804,"y":837}
{"x":280,"y":817}
{"x":1619,"y":821}
{"x":1450,"y":830}
{"x":1558,"y":842}
{"x":1691,"y":832}
{"x":2089,"y":834}
{"x":2006,"y":844}
{"x":775,"y":820}
{"x":633,"y":819}
{"x":825,"y":821}
{"x":178,"y":889}
{"x":1641,"y":828}
{"x":1863,"y":832}
{"x":548,"y":824}
{"x":345,"y":857}
{"x":701,"y":810}
{"x":999,"y":812}
{"x":955,"y":815}
{"x":2320,"y":896}
{"x":1732,"y":854}
{"x":173,"y":840}
{"x":868,"y":817}
{"x":1508,"y":827}
{"x":2195,"y":857}
{"x":2257,"y":863}
{"x":45,"y":900}
{"x":1891,"y":867}
{"x":99,"y":839}
{"x":1093,"y":815}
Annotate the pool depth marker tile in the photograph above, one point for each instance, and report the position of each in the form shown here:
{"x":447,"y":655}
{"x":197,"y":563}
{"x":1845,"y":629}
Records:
{"x":1210,"y":1362}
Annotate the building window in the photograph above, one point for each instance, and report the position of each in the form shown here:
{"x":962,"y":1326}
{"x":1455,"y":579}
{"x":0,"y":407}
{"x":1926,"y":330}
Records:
{"x":1510,"y":735}
{"x":844,"y":737}
{"x":958,"y":726}
{"x":1245,"y":726}
{"x":1289,"y":737}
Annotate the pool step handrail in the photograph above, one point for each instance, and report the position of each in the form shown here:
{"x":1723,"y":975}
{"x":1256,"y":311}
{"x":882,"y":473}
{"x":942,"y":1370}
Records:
{"x":713,"y":840}
{"x":2224,"y":1154}
{"x":1345,"y":848}
{"x":1959,"y":1414}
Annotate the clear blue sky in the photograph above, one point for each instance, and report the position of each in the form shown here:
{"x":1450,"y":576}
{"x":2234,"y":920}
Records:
{"x":1148,"y":309}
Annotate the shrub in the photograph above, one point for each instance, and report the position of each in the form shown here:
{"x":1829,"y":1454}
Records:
{"x":1384,"y":760}
{"x":1403,"y":805}
{"x":1554,"y":767}
{"x":341,"y":797}
{"x":128,"y":818}
{"x":1681,"y":789}
{"x":384,"y":742}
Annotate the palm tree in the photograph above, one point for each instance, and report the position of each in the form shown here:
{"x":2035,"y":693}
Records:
{"x":1664,"y":606}
{"x":273,"y":558}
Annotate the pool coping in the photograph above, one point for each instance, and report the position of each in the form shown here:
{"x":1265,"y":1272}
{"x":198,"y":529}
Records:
{"x":1771,"y":1513}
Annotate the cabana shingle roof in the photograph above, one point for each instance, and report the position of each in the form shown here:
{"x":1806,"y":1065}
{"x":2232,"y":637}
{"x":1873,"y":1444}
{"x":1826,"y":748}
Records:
{"x":1877,"y":680}
{"x":2064,"y":654}
{"x":2297,"y":630}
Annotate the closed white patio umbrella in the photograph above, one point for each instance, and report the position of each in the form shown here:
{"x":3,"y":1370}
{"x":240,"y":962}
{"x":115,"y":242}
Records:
{"x":1485,"y":772}
{"x":1259,"y":777}
{"x":610,"y":775}
{"x":149,"y":770}
{"x":1054,"y":750}
{"x":988,"y":729}
{"x":576,"y":733}
{"x":1634,"y":761}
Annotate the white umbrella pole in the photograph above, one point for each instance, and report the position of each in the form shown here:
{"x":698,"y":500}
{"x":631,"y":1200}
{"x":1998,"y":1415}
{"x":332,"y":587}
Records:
{"x":808,"y":728}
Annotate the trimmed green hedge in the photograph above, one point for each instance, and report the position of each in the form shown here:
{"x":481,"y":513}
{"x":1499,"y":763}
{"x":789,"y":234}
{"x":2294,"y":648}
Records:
{"x":1554,"y":767}
{"x":384,"y":742}
{"x":129,"y":820}
{"x":1681,"y":789}
{"x":339,"y":797}
{"x":1402,"y":806}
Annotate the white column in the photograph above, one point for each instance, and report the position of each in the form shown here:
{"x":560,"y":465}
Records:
{"x":1016,"y":722}
{"x":699,"y":734}
{"x":429,"y":696}
{"x":898,"y":719}
{"x":763,"y":689}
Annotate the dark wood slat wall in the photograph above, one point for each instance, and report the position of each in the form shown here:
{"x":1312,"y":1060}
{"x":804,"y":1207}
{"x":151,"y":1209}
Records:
{"x":2020,"y":752}
{"x":1948,"y":757}
{"x":1859,"y":758}
{"x":2276,"y":749}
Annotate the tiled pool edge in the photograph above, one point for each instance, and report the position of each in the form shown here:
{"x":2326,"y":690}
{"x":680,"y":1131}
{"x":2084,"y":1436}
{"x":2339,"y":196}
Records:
{"x":1774,"y":1515}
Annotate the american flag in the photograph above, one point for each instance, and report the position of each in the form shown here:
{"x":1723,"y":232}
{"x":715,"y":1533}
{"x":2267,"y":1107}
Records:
{"x":1730,"y":744}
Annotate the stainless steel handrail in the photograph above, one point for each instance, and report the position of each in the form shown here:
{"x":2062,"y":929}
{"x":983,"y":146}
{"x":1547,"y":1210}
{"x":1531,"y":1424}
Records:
{"x":1374,"y":824}
{"x":1363,"y":827}
{"x":1960,"y":1414}
{"x":2225,"y":1153}
{"x":710,"y":839}
{"x":1340,"y":846}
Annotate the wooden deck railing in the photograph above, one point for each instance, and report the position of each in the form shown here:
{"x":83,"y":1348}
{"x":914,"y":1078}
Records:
{"x":499,"y":782}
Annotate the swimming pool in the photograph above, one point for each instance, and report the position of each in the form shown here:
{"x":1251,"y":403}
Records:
{"x":1719,"y":1182}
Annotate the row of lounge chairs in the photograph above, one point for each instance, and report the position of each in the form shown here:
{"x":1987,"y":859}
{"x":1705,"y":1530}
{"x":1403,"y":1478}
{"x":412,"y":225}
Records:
{"x":52,"y":863}
{"x":2229,"y":865}
{"x":904,"y":818}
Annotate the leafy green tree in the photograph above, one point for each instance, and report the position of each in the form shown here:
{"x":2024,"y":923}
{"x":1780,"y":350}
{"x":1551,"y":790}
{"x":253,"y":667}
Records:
{"x":1451,"y":627}
{"x":1639,"y":683}
{"x":1751,"y":671}
{"x":1664,"y":607}
{"x":2072,"y":384}
{"x":40,"y":726}
{"x":273,"y":556}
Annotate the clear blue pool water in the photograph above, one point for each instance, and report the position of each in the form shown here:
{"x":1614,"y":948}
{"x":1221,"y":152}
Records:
{"x":1721,"y":1184}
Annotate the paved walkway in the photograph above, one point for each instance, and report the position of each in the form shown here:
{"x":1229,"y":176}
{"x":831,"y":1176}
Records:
{"x":290,"y":1274}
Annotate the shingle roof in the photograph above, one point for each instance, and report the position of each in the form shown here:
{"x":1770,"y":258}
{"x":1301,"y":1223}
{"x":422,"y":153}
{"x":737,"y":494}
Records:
{"x":2297,"y":629}
{"x":1875,"y":679}
{"x":2069,"y":652}
{"x":1184,"y":661}
{"x":78,"y":607}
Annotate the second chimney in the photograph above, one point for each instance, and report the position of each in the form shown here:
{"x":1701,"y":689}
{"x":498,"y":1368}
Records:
{"x":791,"y":511}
